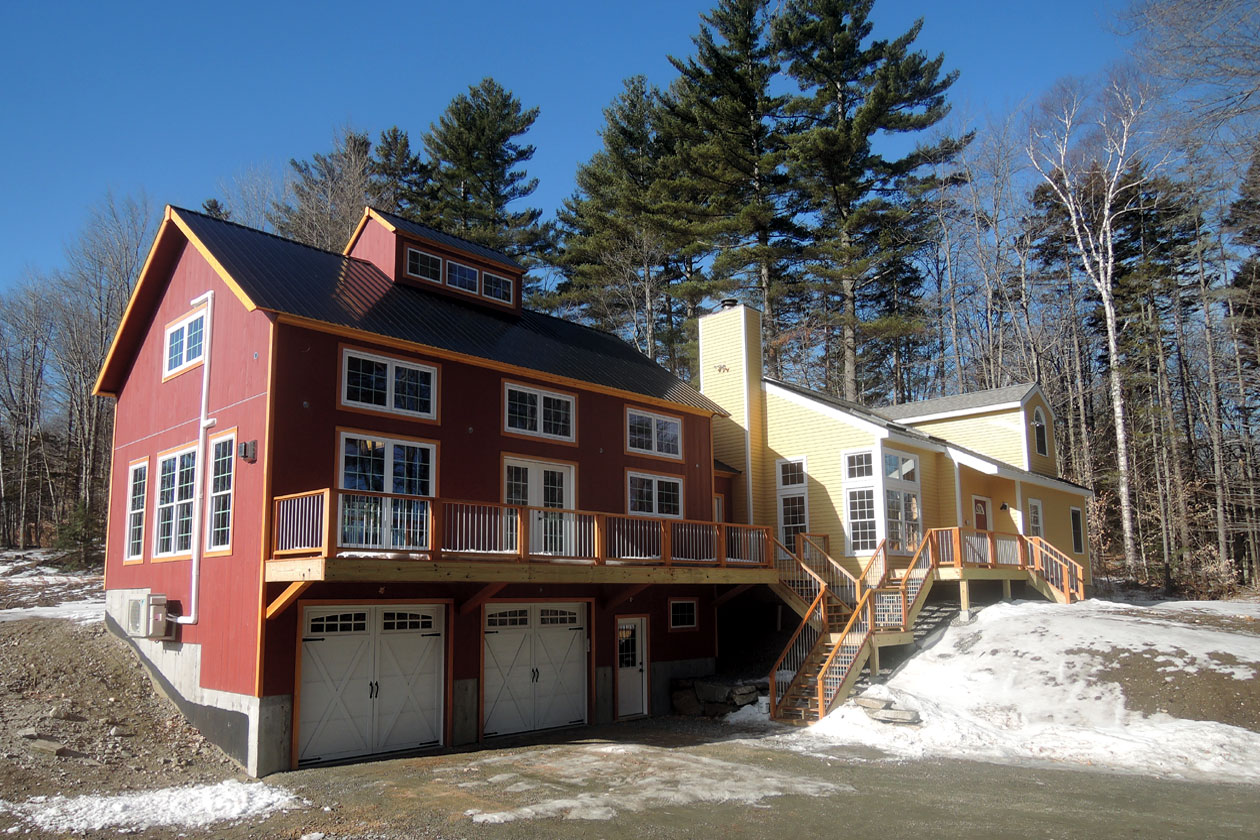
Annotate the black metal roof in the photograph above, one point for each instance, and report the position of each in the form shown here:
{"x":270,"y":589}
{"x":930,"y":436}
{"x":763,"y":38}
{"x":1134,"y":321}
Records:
{"x":284,"y":276}
{"x":974,"y":401}
{"x":454,"y":242}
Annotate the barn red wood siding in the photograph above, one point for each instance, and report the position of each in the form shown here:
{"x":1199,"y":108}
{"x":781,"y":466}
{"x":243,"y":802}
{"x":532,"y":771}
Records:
{"x":153,"y":416}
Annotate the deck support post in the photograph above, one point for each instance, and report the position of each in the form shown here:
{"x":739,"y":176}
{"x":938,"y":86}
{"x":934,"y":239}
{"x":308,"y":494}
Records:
{"x":964,"y":597}
{"x":1006,"y":589}
{"x":874,"y":665}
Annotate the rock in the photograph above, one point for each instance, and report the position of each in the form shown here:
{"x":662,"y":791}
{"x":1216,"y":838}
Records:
{"x":119,"y":732}
{"x":43,"y":745}
{"x":711,"y":692}
{"x":717,"y":709}
{"x":64,"y":713}
{"x":685,"y":703}
{"x":744,"y":695}
{"x":902,"y":716}
{"x":872,"y":702}
{"x":28,"y":733}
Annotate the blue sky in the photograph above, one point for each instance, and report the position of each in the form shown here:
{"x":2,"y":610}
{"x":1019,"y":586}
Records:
{"x":172,"y":98}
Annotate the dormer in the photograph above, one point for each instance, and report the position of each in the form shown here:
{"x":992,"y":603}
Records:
{"x":417,"y":255}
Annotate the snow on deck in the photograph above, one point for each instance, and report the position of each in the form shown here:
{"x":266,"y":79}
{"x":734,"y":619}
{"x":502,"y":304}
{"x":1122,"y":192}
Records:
{"x":183,"y":807}
{"x":1026,"y":681}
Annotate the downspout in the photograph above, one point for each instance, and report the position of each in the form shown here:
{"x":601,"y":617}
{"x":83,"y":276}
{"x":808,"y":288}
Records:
{"x":204,"y":424}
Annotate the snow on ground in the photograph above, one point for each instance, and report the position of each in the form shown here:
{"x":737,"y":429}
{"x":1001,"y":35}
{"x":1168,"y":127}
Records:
{"x":184,"y":807}
{"x":30,"y":589}
{"x":598,"y":782}
{"x":1025,"y":681}
{"x":83,"y":612}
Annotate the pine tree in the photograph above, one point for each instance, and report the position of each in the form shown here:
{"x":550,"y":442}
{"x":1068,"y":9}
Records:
{"x":403,"y":180}
{"x":478,"y":171}
{"x":854,"y":89}
{"x":214,"y":208}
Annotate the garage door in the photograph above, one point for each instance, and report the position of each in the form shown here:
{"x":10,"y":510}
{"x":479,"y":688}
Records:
{"x":371,"y":680}
{"x":535,"y":666}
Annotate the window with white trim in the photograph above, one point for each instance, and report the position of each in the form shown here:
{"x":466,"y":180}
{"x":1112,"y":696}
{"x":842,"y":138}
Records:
{"x":1040,"y":436}
{"x":793,"y":508}
{"x":222,"y":479}
{"x":425,"y":266}
{"x":654,"y":495}
{"x":859,"y":465}
{"x":386,"y":384}
{"x":863,"y":530}
{"x":495,"y":287}
{"x":684,"y":614}
{"x":373,"y":464}
{"x":1034,"y":518}
{"x":460,"y":276}
{"x":529,"y":411}
{"x":185,"y":342}
{"x":901,"y":501}
{"x":137,"y":495}
{"x":1078,"y":531}
{"x":653,"y":434}
{"x":177,"y":478}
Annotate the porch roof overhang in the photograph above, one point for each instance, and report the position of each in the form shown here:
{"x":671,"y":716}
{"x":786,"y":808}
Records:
{"x":997,"y":468}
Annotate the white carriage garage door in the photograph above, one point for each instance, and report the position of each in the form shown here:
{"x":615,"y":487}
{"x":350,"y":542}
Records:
{"x":535,"y":666}
{"x":372,"y":680}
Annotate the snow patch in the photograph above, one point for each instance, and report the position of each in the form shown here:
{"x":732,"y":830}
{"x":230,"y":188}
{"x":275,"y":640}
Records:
{"x":1023,"y":682}
{"x":87,"y":611}
{"x":183,"y":807}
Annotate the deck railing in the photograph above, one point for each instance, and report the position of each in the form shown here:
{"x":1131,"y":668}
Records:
{"x":813,"y":554}
{"x":338,"y":522}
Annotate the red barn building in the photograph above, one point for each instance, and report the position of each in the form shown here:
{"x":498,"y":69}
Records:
{"x":367,"y":502}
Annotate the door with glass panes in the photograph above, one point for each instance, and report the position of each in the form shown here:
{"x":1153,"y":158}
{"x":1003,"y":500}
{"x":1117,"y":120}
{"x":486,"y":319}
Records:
{"x":544,"y":492}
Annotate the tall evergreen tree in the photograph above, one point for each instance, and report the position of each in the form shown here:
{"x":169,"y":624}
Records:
{"x":404,"y":181}
{"x":853,"y":91}
{"x":478,"y":171}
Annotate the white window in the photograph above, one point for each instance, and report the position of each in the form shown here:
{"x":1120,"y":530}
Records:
{"x":460,"y":276}
{"x":859,"y":465}
{"x":222,"y":480}
{"x":653,"y":434}
{"x":901,"y":502}
{"x":424,"y":266}
{"x":1034,"y":518}
{"x":373,"y":465}
{"x":495,"y":287}
{"x":388,"y":384}
{"x":185,"y":342}
{"x":530,"y":411}
{"x":177,"y":478}
{"x":137,"y":494}
{"x":654,"y":495}
{"x":863,"y":534}
{"x":793,"y":506}
{"x":683,"y":614}
{"x":1039,"y":432}
{"x":1078,"y":531}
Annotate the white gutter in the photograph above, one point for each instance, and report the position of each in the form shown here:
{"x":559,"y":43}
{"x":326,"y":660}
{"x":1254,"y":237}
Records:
{"x":204,"y":424}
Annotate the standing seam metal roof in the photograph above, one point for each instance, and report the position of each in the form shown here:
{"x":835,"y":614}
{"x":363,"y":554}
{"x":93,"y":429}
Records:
{"x":284,"y":276}
{"x":976,"y":400}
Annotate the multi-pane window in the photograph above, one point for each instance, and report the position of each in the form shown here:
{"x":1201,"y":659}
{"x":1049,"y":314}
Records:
{"x":901,"y":501}
{"x":1035,"y":528}
{"x":654,"y":495}
{"x":653,"y":434}
{"x":683,"y":615}
{"x":542,"y":413}
{"x":222,"y":462}
{"x":177,"y":477}
{"x":388,"y":384}
{"x":495,"y":287}
{"x":859,"y":465}
{"x":137,"y":490}
{"x":1078,"y":531}
{"x":373,"y":465}
{"x":1039,"y":432}
{"x":185,"y":343}
{"x":424,"y":266}
{"x":460,"y":276}
{"x":790,"y":481}
{"x":862,"y":527}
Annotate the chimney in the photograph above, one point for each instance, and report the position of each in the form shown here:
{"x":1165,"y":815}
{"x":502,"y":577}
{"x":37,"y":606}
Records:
{"x":729,"y":303}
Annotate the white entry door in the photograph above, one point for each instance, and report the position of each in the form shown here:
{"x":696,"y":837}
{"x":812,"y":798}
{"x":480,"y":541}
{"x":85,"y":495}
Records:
{"x":372,"y":680}
{"x":539,"y":484}
{"x":535,"y":673}
{"x":631,"y":667}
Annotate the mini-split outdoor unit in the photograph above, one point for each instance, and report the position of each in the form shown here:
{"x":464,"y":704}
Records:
{"x":147,"y":618}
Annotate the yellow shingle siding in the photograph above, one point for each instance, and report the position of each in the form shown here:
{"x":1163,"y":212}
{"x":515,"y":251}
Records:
{"x":998,"y":434}
{"x":1056,"y":524}
{"x":1044,"y":464}
{"x":730,"y":375}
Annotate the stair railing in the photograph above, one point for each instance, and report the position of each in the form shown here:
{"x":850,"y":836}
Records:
{"x":835,"y":670}
{"x":1061,"y":572}
{"x":803,"y":581}
{"x":788,"y":666}
{"x":876,"y":570}
{"x":842,"y":584}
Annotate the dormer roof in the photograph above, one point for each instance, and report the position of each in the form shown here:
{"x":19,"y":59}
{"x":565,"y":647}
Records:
{"x":957,"y":405}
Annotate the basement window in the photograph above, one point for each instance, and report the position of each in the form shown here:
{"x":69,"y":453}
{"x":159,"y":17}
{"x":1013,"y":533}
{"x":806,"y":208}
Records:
{"x":683,"y":614}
